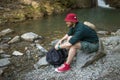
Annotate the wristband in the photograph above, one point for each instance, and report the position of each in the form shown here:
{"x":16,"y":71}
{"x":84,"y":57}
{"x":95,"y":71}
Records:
{"x":59,"y":47}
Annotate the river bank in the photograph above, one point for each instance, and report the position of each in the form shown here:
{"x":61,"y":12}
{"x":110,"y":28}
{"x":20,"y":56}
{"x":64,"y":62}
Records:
{"x":21,"y":10}
{"x":23,"y":58}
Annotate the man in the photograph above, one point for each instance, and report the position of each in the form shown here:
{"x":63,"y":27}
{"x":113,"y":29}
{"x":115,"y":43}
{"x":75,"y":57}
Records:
{"x":79,"y":36}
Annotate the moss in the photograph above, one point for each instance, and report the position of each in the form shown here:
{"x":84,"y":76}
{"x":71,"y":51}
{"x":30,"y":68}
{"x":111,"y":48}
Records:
{"x":58,"y":8}
{"x":33,"y":13}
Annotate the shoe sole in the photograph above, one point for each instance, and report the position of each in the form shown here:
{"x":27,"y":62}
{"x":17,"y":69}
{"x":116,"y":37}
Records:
{"x":57,"y":70}
{"x":60,"y":71}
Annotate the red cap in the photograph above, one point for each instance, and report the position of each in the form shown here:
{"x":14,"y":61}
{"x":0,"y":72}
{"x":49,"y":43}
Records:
{"x":71,"y":17}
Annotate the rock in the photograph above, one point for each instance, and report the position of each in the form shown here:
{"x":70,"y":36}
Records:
{"x":1,"y":71}
{"x":5,"y":31}
{"x":1,"y":8}
{"x":113,"y":33}
{"x":30,"y":36}
{"x":41,"y":62}
{"x":1,"y":51}
{"x":104,"y":32}
{"x":4,"y":62}
{"x":5,"y":56}
{"x":15,"y":39}
{"x":85,"y":59}
{"x":4,"y":46}
{"x":41,"y":48}
{"x":111,"y":42}
{"x":5,"y":39}
{"x":118,"y":32}
{"x":54,"y":42}
{"x":93,"y":59}
{"x":116,"y":49}
{"x":82,"y":58}
{"x":17,"y":53}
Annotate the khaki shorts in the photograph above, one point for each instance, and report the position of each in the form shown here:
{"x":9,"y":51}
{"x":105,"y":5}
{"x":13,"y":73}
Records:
{"x":89,"y":47}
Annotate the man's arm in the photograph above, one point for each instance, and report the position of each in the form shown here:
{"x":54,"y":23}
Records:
{"x":62,"y":39}
{"x":66,"y":45}
{"x":63,"y":45}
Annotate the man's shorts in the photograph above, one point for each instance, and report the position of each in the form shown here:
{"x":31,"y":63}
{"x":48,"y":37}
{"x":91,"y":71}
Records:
{"x":89,"y":47}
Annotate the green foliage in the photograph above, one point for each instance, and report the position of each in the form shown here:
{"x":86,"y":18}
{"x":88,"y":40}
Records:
{"x":67,"y":3}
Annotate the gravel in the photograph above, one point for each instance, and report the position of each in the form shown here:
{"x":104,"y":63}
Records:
{"x":100,"y":70}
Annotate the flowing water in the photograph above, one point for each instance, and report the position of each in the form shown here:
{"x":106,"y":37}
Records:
{"x":53,"y":27}
{"x":101,"y":3}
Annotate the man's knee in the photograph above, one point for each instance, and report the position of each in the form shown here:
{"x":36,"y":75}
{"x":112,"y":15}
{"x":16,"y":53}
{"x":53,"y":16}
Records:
{"x":76,"y":46}
{"x":69,"y":38}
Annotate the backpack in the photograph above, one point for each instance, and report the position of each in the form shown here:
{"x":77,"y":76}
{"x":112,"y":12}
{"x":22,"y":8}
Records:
{"x":56,"y":57}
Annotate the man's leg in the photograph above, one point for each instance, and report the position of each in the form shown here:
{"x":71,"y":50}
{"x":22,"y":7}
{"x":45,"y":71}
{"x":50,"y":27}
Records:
{"x":72,"y":52}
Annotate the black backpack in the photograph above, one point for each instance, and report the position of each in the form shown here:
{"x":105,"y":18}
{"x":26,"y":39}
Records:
{"x":56,"y":57}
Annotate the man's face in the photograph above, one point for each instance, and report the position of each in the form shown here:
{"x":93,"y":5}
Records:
{"x":69,"y":24}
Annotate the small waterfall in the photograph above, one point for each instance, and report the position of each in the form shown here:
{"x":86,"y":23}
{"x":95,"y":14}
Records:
{"x":101,"y":3}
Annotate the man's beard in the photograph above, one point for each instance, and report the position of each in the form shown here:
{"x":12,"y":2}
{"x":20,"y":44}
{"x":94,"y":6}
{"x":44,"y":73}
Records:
{"x":70,"y":25}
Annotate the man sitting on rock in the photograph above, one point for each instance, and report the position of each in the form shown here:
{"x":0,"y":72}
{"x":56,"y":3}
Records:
{"x":80,"y":36}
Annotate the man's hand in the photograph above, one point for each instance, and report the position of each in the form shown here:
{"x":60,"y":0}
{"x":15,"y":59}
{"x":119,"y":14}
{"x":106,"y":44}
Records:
{"x":57,"y":46}
{"x":60,"y":42}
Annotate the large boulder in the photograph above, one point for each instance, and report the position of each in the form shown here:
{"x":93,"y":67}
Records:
{"x":29,"y":36}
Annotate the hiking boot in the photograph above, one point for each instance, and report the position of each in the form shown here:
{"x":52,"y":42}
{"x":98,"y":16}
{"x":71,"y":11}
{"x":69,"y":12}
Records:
{"x":64,"y":67}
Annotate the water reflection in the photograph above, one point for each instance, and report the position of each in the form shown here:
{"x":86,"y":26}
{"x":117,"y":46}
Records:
{"x":104,"y":19}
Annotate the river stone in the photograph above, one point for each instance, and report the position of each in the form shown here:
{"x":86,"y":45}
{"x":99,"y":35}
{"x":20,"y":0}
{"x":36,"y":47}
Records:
{"x":41,"y":48}
{"x":17,"y":53}
{"x":1,"y":51}
{"x":5,"y":39}
{"x":118,"y":32}
{"x":103,"y":32}
{"x":15,"y":39}
{"x":54,"y":42}
{"x":1,"y":71}
{"x":5,"y":56}
{"x":5,"y":31}
{"x":41,"y":62}
{"x":4,"y":62}
{"x":30,"y":36}
{"x":4,"y":46}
